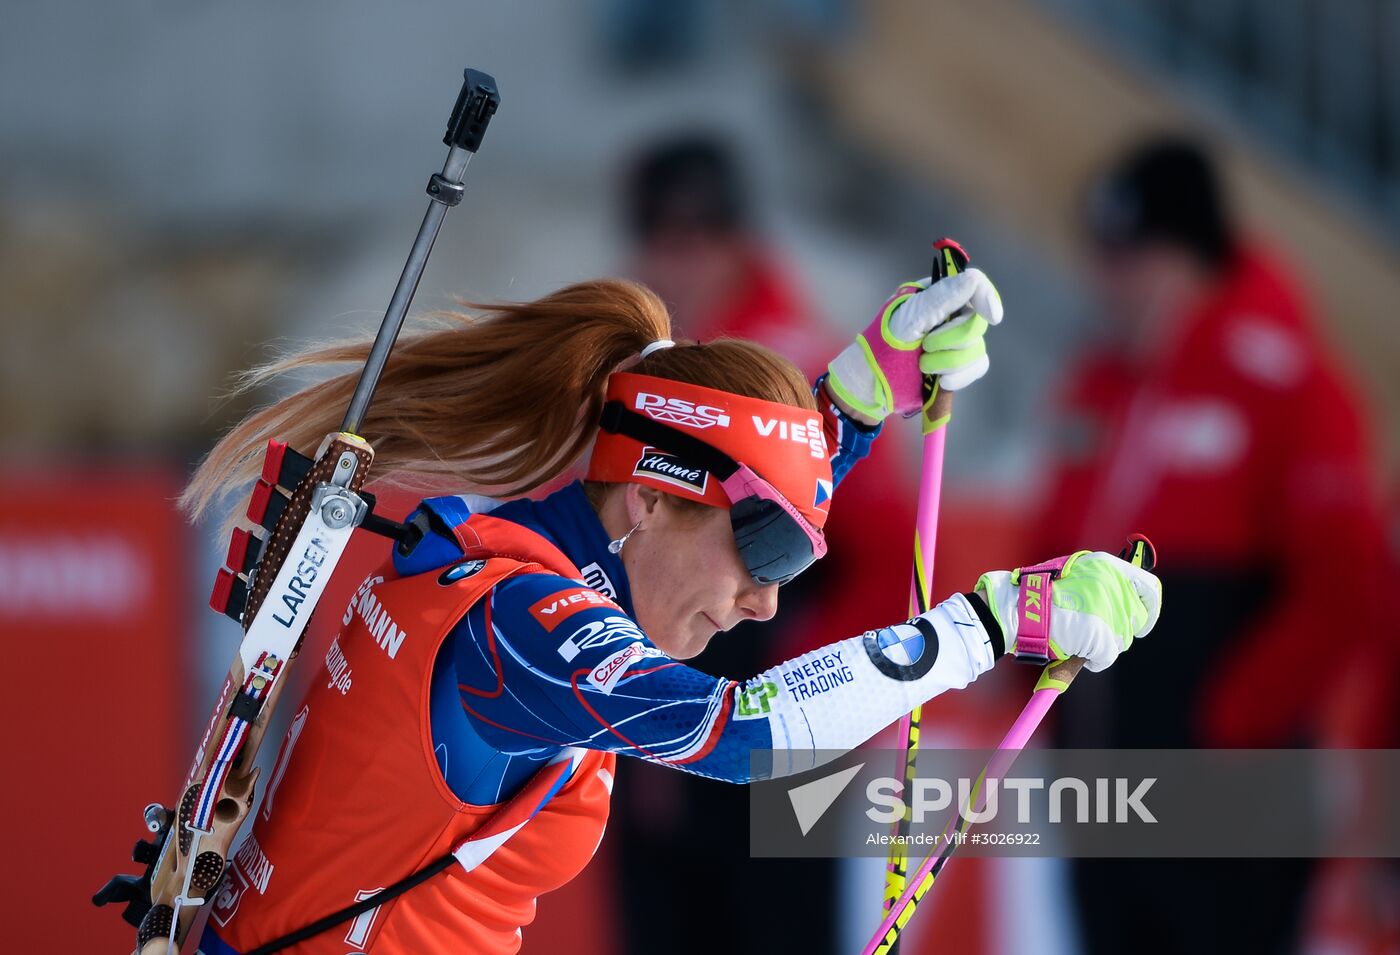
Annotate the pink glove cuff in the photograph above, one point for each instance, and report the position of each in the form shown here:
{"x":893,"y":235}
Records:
{"x":896,"y":369}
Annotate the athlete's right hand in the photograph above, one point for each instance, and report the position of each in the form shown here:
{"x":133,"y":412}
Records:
{"x":1099,"y":605}
{"x":925,"y":328}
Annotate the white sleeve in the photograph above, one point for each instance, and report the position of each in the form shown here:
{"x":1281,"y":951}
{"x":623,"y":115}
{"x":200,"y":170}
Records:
{"x":838,"y":696}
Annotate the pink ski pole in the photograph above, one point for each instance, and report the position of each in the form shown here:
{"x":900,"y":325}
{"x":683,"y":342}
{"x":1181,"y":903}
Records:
{"x":1055,"y":679}
{"x":949,"y":259}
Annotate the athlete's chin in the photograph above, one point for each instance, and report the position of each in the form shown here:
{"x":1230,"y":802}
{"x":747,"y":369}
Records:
{"x":694,"y":642}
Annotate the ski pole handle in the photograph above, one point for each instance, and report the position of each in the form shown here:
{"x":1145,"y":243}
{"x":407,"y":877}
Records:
{"x":1139,"y":552}
{"x":949,"y":258}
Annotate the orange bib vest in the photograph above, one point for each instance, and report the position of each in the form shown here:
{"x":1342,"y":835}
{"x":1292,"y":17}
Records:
{"x":355,"y":801}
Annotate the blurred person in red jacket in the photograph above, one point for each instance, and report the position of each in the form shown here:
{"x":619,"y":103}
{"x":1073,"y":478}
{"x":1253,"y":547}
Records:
{"x":1212,"y":416}
{"x":696,"y":244}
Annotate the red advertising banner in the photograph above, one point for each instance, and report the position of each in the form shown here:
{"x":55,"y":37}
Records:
{"x":94,"y":605}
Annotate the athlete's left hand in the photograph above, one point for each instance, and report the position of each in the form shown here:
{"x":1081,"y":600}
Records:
{"x":926,"y":328}
{"x":1100,"y":604}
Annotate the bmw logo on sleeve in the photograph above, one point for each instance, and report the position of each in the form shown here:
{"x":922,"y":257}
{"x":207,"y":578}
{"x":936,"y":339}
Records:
{"x":905,"y":651}
{"x":467,"y":568}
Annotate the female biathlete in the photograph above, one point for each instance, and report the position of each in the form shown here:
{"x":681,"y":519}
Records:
{"x":485,"y":678}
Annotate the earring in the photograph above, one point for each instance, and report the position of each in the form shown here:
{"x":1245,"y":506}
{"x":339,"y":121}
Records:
{"x":615,"y":547}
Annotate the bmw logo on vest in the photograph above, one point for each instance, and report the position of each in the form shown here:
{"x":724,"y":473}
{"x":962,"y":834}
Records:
{"x":467,"y":568}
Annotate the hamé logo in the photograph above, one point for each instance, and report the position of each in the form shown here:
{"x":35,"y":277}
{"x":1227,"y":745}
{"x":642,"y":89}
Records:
{"x":665,"y":466}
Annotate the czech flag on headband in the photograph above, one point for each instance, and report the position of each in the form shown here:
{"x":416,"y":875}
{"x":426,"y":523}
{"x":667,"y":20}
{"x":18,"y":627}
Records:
{"x":785,"y":445}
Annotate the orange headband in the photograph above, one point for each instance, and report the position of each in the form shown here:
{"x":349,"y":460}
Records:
{"x":784,"y":444}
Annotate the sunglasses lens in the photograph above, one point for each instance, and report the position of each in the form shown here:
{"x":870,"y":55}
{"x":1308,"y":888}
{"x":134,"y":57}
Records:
{"x":774,"y":547}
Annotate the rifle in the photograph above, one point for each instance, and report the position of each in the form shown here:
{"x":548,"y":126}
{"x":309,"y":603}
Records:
{"x":306,"y":510}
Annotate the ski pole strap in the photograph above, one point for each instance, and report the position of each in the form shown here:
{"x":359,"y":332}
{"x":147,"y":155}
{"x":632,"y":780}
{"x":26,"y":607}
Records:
{"x":1033,"y":611}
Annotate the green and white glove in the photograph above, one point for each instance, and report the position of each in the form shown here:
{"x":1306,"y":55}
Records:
{"x":1099,"y":604}
{"x":925,"y":328}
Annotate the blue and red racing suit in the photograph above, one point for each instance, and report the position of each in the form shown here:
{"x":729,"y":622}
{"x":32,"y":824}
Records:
{"x":533,"y":673}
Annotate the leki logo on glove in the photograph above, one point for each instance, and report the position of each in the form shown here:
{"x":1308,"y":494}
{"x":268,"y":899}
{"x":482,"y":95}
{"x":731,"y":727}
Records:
{"x":665,"y":466}
{"x":1034,"y":596}
{"x":680,"y":411}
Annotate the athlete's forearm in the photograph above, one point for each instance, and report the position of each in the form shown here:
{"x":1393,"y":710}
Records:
{"x":597,"y":682}
{"x":836,"y":697}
